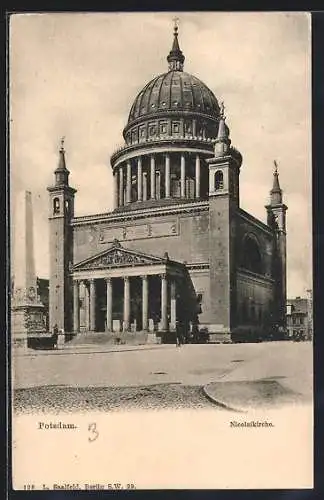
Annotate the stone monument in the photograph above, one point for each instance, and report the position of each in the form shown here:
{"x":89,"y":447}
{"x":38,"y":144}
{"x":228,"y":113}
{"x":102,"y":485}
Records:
{"x":27,"y":311}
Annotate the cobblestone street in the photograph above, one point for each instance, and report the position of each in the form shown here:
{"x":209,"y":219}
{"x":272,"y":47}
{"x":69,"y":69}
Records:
{"x":62,"y":399}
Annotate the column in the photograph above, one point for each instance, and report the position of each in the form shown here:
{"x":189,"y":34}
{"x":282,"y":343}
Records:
{"x":121,"y":186}
{"x":173,"y":311}
{"x":76,"y":306}
{"x":139,"y":178}
{"x":92,"y":305}
{"x":109,"y":304}
{"x":182,"y":130}
{"x":197,"y":177}
{"x":152,"y":177}
{"x":128,"y":182}
{"x":126,"y":303}
{"x":164,"y":302}
{"x":183,"y":176}
{"x":194,"y":128}
{"x":115,"y":189}
{"x":145,"y":303}
{"x":87,"y":306}
{"x":158,"y":185}
{"x":167,"y":175}
{"x":144,"y":186}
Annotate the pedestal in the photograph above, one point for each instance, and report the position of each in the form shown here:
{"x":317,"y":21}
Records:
{"x":27,"y":321}
{"x":151,"y":338}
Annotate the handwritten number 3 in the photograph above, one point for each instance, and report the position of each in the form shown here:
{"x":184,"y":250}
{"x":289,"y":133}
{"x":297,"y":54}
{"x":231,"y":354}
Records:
{"x":94,"y":433}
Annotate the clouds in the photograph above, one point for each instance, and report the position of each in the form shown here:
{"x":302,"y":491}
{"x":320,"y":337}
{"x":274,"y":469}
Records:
{"x":78,"y":74}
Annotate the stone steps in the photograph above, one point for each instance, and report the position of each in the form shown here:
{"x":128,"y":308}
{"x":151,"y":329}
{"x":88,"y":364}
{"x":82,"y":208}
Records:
{"x":136,"y":338}
{"x":103,"y":338}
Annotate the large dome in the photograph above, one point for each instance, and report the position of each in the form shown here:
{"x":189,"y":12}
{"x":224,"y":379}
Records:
{"x":173,"y":128}
{"x":174,"y":91}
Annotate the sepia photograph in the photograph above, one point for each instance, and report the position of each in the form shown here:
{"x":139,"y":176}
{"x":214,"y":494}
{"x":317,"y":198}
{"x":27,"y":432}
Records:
{"x":161,"y":250}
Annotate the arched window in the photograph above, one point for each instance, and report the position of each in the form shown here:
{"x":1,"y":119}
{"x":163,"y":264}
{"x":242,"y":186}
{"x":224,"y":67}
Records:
{"x":219,"y":180}
{"x":56,"y":206}
{"x":251,"y":255}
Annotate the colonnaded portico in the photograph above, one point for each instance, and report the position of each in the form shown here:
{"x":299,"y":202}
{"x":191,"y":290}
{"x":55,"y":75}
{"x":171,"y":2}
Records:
{"x":122,"y":290}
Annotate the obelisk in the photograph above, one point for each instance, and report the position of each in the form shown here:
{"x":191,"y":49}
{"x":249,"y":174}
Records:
{"x":27,"y":312}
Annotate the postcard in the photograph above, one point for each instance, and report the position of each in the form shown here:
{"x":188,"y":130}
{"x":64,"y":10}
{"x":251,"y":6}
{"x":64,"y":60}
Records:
{"x":161,"y":274}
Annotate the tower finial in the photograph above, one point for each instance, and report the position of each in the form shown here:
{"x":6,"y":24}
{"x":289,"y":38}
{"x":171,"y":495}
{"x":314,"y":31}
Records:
{"x":276,"y":192}
{"x":61,"y":173}
{"x":175,"y":57}
{"x":176,"y":24}
{"x":222,"y":110}
{"x":62,"y":143}
{"x":223,"y":142}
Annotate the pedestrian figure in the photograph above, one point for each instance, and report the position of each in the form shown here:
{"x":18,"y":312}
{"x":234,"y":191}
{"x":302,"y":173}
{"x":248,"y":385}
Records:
{"x":60,"y":339}
{"x":55,"y":336}
{"x":179,"y":338}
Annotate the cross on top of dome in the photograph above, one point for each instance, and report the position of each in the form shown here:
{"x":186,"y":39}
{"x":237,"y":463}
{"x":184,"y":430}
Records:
{"x":176,"y":24}
{"x":62,"y":143}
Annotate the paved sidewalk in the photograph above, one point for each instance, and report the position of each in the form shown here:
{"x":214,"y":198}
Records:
{"x":281,"y":379}
{"x":87,"y":349}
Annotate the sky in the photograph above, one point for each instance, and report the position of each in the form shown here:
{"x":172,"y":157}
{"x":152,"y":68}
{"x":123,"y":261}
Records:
{"x":77,"y":74}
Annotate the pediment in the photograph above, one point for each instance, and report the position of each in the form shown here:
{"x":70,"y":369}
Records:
{"x":117,"y":256}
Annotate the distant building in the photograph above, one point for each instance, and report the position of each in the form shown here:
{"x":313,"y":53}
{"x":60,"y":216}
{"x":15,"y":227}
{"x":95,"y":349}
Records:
{"x":299,"y":313}
{"x":310,"y":312}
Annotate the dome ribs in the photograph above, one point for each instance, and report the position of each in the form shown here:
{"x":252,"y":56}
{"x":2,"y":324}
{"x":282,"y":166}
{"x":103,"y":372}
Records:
{"x":171,"y":80}
{"x":145,"y":100}
{"x":197,"y":94}
{"x":150,"y":102}
{"x":182,"y":96}
{"x":202,"y":95}
{"x":192,"y":93}
{"x":161,"y":86}
{"x":209,"y":102}
{"x":187,"y":91}
{"x":142,"y":97}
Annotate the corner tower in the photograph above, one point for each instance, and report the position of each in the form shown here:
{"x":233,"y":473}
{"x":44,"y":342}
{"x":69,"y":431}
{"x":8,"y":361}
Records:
{"x":224,"y":169}
{"x":276,"y":219}
{"x":61,"y":211}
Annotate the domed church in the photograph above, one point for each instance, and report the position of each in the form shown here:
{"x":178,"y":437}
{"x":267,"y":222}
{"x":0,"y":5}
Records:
{"x":177,"y":249}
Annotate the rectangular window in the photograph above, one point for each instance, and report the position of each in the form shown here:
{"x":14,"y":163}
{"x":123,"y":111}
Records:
{"x":175,"y":127}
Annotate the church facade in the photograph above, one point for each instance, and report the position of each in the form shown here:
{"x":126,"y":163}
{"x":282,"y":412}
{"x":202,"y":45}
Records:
{"x":177,"y":247}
